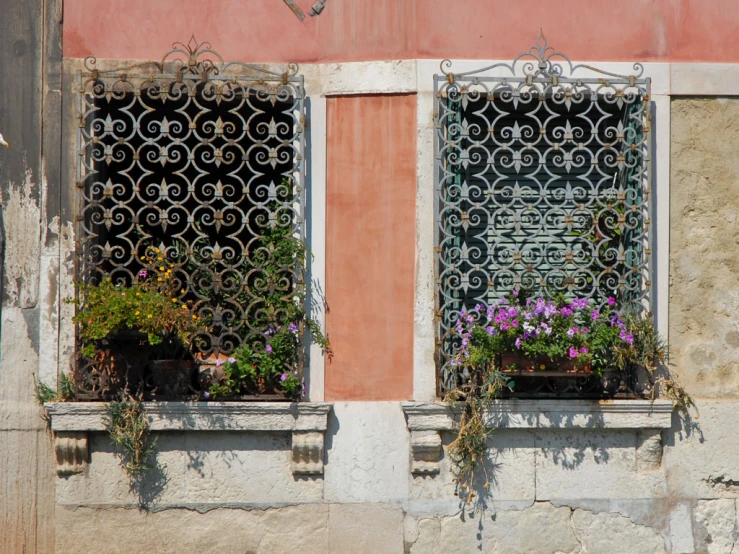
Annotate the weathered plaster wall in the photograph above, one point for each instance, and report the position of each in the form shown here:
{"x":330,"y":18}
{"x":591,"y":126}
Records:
{"x":266,"y":30}
{"x":704,"y":242}
{"x":572,"y":490}
{"x":370,"y":246}
{"x":30,"y":58}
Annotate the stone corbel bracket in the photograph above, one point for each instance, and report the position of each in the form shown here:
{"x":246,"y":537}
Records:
{"x":307,"y":422}
{"x":426,"y":421}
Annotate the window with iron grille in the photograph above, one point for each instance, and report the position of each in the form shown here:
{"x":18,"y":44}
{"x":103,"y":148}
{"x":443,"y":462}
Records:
{"x":542,"y":183}
{"x":203,"y":160}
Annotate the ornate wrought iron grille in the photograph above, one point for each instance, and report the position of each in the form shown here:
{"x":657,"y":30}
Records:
{"x":201,"y":158}
{"x":542,"y":181}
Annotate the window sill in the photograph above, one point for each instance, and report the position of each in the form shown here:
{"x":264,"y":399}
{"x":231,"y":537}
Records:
{"x":426,"y":420}
{"x":72,"y":421}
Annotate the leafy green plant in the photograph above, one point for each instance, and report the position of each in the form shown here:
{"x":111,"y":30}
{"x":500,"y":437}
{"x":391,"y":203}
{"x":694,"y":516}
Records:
{"x":271,"y":361}
{"x":63,"y":393}
{"x":541,"y":328}
{"x":150,"y":305}
{"x":128,"y":428}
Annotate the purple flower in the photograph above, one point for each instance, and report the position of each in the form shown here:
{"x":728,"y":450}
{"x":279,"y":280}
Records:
{"x":514,"y":323}
{"x":515,"y":293}
{"x":611,"y":301}
{"x":283,"y":377}
{"x":490,"y":330}
{"x":572,"y":331}
{"x":580,"y":303}
{"x":573,"y":352}
{"x":206,"y":395}
{"x":479,"y":307}
{"x":292,"y":328}
{"x":232,"y":360}
{"x":470,"y":319}
{"x":143,"y":274}
{"x":584,"y":330}
{"x":566,"y":311}
{"x":268,"y":348}
{"x":219,"y":363}
{"x":453,"y":362}
{"x":503,"y":326}
{"x":583,"y":350}
{"x":518,"y":342}
{"x":595,"y":315}
{"x":626,"y":336}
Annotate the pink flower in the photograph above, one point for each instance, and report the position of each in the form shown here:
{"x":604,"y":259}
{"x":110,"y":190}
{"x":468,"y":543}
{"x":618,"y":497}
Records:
{"x":142,"y":274}
{"x":573,"y":352}
{"x":232,"y":360}
{"x":611,"y":301}
{"x":583,"y":350}
{"x":283,"y":377}
{"x":595,"y":315}
{"x":219,"y":363}
{"x":268,"y":348}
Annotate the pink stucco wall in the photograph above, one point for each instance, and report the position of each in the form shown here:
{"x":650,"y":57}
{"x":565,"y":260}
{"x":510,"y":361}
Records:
{"x":370,"y":246}
{"x":351,"y":30}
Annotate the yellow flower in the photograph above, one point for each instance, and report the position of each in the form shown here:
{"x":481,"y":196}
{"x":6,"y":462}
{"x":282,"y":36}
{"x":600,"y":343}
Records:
{"x":174,"y":300}
{"x":542,"y":366}
{"x":159,"y":259}
{"x":182,"y":291}
{"x":149,"y":316}
{"x":194,"y":316}
{"x":159,"y":278}
{"x":161,"y":268}
{"x":184,"y":307}
{"x":137,"y":313}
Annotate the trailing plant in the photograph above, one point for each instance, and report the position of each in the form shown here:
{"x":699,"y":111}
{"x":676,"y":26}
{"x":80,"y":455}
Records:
{"x":150,"y":305}
{"x":542,"y":329}
{"x":129,"y":431}
{"x":271,"y":362}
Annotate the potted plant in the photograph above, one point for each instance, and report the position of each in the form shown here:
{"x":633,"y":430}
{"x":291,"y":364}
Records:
{"x":141,"y":326}
{"x":536,"y":335}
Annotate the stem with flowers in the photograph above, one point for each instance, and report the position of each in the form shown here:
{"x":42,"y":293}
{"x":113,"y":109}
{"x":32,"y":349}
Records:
{"x":554,"y":332}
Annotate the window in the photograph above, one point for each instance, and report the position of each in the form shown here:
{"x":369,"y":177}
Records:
{"x":542,"y":182}
{"x":203,"y":160}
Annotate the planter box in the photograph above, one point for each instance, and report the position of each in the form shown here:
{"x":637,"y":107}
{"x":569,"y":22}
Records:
{"x":513,"y":363}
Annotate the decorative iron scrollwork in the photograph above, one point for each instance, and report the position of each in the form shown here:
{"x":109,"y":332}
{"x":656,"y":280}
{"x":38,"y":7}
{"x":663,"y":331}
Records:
{"x":542,"y":182}
{"x":201,"y":158}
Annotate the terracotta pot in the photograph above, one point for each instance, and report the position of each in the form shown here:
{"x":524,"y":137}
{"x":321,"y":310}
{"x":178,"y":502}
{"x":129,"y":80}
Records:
{"x":519,"y":364}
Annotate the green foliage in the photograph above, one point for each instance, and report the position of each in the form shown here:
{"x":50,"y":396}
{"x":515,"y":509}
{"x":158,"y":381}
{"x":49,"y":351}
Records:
{"x":271,"y":363}
{"x":129,"y":430}
{"x":45,"y":393}
{"x":149,"y":305}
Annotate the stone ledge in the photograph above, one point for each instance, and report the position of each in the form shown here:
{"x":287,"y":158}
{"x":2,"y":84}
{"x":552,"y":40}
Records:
{"x":426,"y":420}
{"x":199,"y":416}
{"x":547,"y":414}
{"x":72,"y":421}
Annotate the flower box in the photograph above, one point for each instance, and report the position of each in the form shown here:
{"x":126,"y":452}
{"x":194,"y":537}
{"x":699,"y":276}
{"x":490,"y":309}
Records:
{"x":515,"y":363}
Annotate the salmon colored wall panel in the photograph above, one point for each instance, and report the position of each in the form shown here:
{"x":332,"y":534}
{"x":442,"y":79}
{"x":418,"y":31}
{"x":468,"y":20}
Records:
{"x":370,"y":246}
{"x":356,"y":30}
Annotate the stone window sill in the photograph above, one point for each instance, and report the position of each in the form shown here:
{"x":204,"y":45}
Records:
{"x":426,"y":420}
{"x":72,"y":421}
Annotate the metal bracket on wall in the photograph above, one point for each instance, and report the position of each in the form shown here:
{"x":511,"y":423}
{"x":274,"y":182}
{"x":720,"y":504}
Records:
{"x":295,"y":8}
{"x":317,"y":8}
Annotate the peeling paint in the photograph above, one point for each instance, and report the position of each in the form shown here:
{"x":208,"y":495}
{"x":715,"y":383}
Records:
{"x":22,"y":217}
